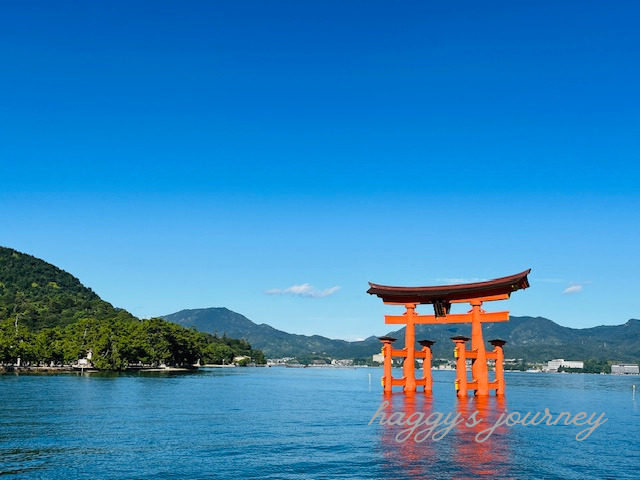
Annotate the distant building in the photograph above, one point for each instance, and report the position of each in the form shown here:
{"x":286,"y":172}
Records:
{"x":625,"y":369}
{"x":377,"y":358}
{"x":279,"y":361}
{"x":346,"y":362}
{"x":83,"y":362}
{"x":554,"y":365}
{"x":444,"y":364}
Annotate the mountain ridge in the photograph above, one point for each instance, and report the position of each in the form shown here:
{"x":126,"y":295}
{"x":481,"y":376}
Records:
{"x":531,"y":338}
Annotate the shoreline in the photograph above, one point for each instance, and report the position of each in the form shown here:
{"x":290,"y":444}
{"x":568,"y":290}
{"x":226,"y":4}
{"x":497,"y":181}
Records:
{"x":69,"y":369}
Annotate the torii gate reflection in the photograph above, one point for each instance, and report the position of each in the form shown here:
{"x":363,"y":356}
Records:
{"x":456,"y":455}
{"x":441,"y":297}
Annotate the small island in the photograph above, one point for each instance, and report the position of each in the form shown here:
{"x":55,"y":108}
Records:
{"x":49,"y":321}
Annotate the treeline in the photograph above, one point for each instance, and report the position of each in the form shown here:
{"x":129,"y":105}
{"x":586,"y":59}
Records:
{"x":590,"y":366}
{"x":119,"y":342}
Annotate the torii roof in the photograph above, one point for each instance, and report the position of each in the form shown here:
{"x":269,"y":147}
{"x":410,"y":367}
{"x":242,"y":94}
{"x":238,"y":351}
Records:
{"x":449,"y":293}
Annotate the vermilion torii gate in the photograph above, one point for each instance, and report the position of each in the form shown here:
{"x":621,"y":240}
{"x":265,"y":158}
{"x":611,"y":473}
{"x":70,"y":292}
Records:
{"x":441,"y":297}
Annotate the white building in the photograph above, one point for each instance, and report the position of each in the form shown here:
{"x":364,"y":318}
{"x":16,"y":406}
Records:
{"x":279,"y":361}
{"x":345,"y":362}
{"x":378,"y":358}
{"x":625,"y":369}
{"x":554,"y":365}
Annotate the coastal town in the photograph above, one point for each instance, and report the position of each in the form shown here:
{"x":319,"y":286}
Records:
{"x":558,"y":365}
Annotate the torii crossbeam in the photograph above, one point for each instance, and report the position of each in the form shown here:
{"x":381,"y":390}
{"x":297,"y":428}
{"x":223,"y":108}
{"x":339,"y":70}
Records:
{"x":441,"y":297}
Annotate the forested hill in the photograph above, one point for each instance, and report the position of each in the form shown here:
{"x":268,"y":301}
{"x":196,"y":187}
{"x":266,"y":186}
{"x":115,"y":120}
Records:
{"x":47,"y":317}
{"x":42,"y":295}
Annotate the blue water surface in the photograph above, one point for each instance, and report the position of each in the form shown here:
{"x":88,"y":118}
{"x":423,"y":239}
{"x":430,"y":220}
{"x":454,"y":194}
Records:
{"x":312,"y":423}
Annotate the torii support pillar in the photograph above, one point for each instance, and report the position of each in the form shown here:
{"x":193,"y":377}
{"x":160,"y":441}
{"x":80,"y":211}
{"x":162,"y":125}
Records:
{"x":409,"y":365}
{"x":499,"y":369}
{"x":427,"y":378}
{"x":479,"y":363}
{"x":387,"y":347}
{"x":460,"y":353}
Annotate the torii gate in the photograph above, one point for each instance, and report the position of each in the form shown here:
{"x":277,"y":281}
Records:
{"x":441,"y":297}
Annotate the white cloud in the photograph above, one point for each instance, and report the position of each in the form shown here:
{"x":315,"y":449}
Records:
{"x":303,"y":290}
{"x":572,"y":289}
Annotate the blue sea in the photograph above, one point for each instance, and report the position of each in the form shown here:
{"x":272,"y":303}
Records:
{"x":312,"y":423}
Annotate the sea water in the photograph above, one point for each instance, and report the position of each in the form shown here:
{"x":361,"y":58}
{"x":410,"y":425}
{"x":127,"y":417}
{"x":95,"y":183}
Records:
{"x":306,"y":423}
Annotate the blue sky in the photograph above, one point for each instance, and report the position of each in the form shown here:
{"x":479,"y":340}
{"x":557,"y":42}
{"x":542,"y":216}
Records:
{"x":194,"y":154}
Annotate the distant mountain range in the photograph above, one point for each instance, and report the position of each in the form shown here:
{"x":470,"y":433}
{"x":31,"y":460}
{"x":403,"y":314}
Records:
{"x":277,"y":343}
{"x":44,"y":296}
{"x":531,"y":338}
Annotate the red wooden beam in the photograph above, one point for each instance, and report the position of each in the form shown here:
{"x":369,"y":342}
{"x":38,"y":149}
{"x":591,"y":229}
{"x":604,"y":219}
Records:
{"x":485,"y":317}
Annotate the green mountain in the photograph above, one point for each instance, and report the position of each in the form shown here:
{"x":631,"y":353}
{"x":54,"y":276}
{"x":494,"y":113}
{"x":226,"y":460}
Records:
{"x":48,"y":317}
{"x":41,"y":295}
{"x":531,"y":338}
{"x":274,"y":343}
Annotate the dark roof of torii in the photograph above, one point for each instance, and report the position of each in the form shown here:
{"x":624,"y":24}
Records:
{"x":448,"y":293}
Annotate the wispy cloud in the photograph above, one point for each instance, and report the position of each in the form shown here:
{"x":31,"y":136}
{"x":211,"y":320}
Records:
{"x":303,"y":290}
{"x":453,"y":281}
{"x":572,"y":289}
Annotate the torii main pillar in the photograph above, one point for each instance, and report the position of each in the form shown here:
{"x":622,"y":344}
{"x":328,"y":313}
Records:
{"x":441,"y":297}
